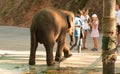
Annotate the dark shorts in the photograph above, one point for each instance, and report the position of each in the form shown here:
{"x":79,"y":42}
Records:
{"x":118,"y":29}
{"x":86,"y":30}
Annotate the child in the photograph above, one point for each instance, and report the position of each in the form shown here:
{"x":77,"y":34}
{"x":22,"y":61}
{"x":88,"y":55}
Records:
{"x":94,"y":32}
{"x":78,"y":26}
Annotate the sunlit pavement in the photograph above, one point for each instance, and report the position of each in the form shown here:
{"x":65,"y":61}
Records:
{"x":14,"y":56}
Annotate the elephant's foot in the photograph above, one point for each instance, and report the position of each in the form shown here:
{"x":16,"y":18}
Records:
{"x":51,"y":63}
{"x":31,"y":62}
{"x":67,"y":55}
{"x":59,"y":59}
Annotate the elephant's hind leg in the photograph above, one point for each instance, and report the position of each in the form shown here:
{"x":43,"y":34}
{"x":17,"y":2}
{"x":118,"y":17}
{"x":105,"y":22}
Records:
{"x":49,"y":53}
{"x":59,"y":51}
{"x":34,"y":45}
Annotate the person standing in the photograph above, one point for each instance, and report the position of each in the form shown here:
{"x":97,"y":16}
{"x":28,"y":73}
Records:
{"x":86,"y":26}
{"x":94,"y":32}
{"x":78,"y":27}
{"x":118,"y":23}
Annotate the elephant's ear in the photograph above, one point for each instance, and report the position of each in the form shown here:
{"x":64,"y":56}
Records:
{"x":68,"y":21}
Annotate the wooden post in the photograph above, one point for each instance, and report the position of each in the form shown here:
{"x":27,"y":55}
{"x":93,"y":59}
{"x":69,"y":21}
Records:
{"x":109,"y":37}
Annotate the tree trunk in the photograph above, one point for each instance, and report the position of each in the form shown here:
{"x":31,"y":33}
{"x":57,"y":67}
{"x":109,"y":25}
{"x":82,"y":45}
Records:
{"x":109,"y":37}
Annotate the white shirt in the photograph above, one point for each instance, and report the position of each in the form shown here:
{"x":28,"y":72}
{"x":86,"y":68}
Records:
{"x":78,"y":22}
{"x":85,"y":19}
{"x":117,"y":14}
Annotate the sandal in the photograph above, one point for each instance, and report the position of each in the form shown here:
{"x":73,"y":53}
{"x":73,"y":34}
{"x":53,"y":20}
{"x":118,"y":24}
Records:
{"x":84,"y":48}
{"x":94,"y":49}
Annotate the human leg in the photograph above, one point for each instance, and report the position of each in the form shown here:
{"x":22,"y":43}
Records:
{"x":118,"y":39}
{"x":76,"y":41}
{"x":118,"y":35}
{"x":84,"y":40}
{"x":95,"y":44}
{"x":80,"y":45}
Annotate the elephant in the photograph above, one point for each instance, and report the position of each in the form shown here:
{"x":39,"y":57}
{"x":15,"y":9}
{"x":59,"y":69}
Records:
{"x":48,"y":26}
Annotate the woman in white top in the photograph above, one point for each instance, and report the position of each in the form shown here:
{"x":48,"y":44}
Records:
{"x":86,"y":26}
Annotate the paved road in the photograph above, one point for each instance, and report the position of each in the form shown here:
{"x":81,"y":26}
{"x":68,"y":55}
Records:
{"x":14,"y":54}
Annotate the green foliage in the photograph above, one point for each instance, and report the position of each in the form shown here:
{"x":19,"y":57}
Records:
{"x":6,"y":9}
{"x":76,"y":1}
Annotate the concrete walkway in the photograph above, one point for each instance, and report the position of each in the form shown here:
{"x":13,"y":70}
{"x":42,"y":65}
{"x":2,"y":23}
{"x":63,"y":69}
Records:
{"x":14,"y":54}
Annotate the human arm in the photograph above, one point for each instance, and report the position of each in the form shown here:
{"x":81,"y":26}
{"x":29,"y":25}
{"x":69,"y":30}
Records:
{"x":94,"y":25}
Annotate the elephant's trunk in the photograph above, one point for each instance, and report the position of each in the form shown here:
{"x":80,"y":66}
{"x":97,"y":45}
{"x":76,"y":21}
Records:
{"x":71,"y":40}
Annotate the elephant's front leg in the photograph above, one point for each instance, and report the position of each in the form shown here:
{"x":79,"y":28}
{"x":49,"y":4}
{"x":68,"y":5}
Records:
{"x":49,"y":53}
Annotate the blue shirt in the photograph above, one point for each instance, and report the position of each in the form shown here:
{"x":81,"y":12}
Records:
{"x":78,"y":22}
